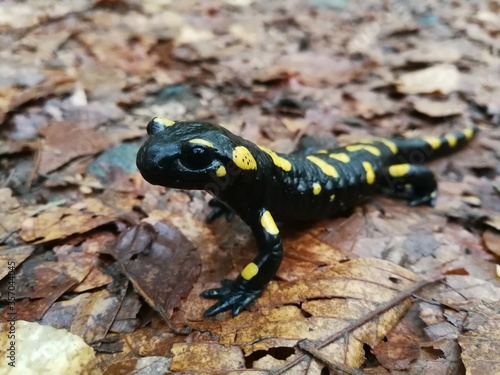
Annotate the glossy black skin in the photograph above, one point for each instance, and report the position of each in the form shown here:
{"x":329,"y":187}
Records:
{"x":167,"y":158}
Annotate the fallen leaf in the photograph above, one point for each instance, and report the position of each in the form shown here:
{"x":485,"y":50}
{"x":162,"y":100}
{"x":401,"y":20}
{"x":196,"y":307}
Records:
{"x":401,"y":346}
{"x":127,"y":319}
{"x":434,"y":108}
{"x":14,"y":97}
{"x":331,"y":300}
{"x":140,"y":366}
{"x":368,"y":104}
{"x":492,"y":241}
{"x":95,"y":279}
{"x":459,"y":287}
{"x":480,"y":342}
{"x":443,"y":78}
{"x":40,"y":283}
{"x":208,"y":357}
{"x":60,"y":222}
{"x":313,"y":69}
{"x":160,"y":262}
{"x":12,"y":258}
{"x":57,"y":151}
{"x":12,"y":214}
{"x":101,"y":80}
{"x":95,"y":315}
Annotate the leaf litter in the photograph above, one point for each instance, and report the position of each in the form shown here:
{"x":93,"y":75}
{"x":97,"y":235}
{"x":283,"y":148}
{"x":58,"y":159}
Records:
{"x":121,"y":264}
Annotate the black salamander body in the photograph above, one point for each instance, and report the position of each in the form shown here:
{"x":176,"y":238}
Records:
{"x":262,"y":186}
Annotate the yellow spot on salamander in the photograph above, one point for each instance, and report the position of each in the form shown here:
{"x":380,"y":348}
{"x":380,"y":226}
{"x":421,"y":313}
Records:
{"x":370,"y":174}
{"x":469,"y":133}
{"x":326,"y":168}
{"x":267,"y":222}
{"x":164,"y":121}
{"x":250,"y":271}
{"x":434,"y":142}
{"x":243,"y":158}
{"x":221,"y":171}
{"x":202,"y":142}
{"x":332,"y":197}
{"x":343,"y":157}
{"x":322,"y":152}
{"x":371,"y":149}
{"x":316,"y":188}
{"x":278,"y":161}
{"x":399,"y":170}
{"x":452,"y":140}
{"x":389,"y":144}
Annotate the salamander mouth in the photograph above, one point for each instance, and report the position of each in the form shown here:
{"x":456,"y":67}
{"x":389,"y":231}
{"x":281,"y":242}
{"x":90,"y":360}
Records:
{"x":153,"y":178}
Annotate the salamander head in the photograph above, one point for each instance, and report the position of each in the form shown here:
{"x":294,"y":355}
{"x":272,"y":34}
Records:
{"x":185,"y":155}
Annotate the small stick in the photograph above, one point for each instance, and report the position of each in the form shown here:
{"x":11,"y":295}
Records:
{"x":308,"y":346}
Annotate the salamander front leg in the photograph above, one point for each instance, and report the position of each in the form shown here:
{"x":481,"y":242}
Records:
{"x":237,"y":294}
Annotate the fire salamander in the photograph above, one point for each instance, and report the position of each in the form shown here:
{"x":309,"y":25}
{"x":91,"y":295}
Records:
{"x":264,"y":187}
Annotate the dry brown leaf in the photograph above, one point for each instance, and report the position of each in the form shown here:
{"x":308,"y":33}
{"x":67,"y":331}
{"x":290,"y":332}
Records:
{"x":439,"y":109}
{"x":88,"y":315}
{"x":160,"y":262}
{"x":94,"y":314}
{"x":206,"y":357}
{"x":313,"y":69}
{"x":11,"y":212}
{"x":40,"y":283}
{"x":95,"y":279}
{"x":401,"y":346}
{"x":14,"y":97}
{"x":304,"y":254}
{"x":61,"y":222}
{"x":127,"y":319}
{"x":444,"y":78}
{"x":456,"y":288}
{"x":102,"y":80}
{"x":140,"y":366}
{"x":12,"y":258}
{"x":480,"y":341}
{"x":332,"y":299}
{"x":57,"y":151}
{"x":492,"y":241}
{"x":368,"y":104}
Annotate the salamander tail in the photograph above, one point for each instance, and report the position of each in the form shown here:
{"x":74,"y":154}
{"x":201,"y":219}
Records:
{"x":430,"y":147}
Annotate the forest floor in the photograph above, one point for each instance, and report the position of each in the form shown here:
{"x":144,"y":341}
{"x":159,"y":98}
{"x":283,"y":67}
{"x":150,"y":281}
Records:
{"x":101,"y":272}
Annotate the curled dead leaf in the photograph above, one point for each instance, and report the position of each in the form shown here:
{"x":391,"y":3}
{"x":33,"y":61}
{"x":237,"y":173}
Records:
{"x":160,"y":262}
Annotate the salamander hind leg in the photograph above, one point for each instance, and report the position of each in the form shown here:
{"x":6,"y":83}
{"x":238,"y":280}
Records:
{"x":415,"y":183}
{"x":237,"y":294}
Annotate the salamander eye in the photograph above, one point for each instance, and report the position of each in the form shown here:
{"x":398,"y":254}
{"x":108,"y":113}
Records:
{"x":196,"y":156}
